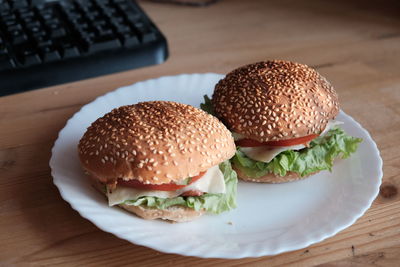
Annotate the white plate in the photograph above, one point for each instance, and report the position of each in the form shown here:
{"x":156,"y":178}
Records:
{"x":269,"y":219}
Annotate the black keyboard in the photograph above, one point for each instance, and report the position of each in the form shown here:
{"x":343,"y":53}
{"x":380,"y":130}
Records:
{"x":44,"y":43}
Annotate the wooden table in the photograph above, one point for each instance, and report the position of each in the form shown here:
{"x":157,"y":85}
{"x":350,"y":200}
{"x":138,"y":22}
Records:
{"x":355,"y":44}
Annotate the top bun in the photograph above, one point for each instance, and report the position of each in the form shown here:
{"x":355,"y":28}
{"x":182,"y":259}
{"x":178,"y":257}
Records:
{"x":154,"y":142}
{"x":275,"y":100}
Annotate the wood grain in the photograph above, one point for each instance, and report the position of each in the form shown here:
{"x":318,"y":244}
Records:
{"x":355,"y":44}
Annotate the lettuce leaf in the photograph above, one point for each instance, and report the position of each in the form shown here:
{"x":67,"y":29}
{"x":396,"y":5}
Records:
{"x":213,"y":203}
{"x":207,"y":105}
{"x":318,"y":156}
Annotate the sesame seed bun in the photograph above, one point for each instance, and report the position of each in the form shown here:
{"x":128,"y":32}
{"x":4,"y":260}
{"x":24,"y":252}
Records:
{"x":154,"y":142}
{"x":271,"y":178}
{"x":275,"y":100}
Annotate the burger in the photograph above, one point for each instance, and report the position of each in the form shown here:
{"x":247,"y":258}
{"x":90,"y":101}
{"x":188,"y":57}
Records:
{"x":282,"y":116}
{"x":161,"y":160}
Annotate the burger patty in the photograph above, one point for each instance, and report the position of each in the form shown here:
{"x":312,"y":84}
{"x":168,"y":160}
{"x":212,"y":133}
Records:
{"x":192,"y":193}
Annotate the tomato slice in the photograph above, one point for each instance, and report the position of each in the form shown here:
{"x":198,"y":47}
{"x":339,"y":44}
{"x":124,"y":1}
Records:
{"x":159,"y":187}
{"x":248,"y":143}
{"x":289,"y":142}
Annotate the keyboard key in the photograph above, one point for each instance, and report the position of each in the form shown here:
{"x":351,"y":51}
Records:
{"x":130,"y":40}
{"x":84,"y":4}
{"x":104,"y":30}
{"x":49,"y":54}
{"x":87,"y":34}
{"x":55,"y":26}
{"x":82,"y":26}
{"x":26,"y":15}
{"x":73,"y":16}
{"x":41,"y":7}
{"x":33,"y":23}
{"x":123,"y":29}
{"x":3,"y":50}
{"x":146,"y":35}
{"x":53,"y":21}
{"x":65,"y":5}
{"x":27,"y":56}
{"x":40,"y":36}
{"x":47,"y":16}
{"x":35,"y":29}
{"x":8,"y":16}
{"x":29,"y":20}
{"x":20,"y":4}
{"x":14,"y":27}
{"x":4,"y":13}
{"x":58,"y":33}
{"x":44,"y":43}
{"x":132,"y":15}
{"x":122,"y":5}
{"x":18,"y":37}
{"x":4,"y":6}
{"x":70,"y":51}
{"x":10,"y":23}
{"x":5,"y":63}
{"x":118,"y":20}
{"x":111,"y":12}
{"x":103,"y":43}
{"x":100,"y":23}
{"x":93,"y":15}
{"x":23,"y":10}
{"x":32,"y":59}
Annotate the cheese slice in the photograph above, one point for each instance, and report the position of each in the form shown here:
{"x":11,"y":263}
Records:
{"x":212,"y":182}
{"x":266,"y":154}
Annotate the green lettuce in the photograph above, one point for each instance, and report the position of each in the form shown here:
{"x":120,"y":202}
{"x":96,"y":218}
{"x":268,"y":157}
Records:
{"x":318,"y":156}
{"x":207,"y":105}
{"x":213,"y":203}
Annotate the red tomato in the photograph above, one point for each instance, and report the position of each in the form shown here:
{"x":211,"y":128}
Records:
{"x":159,"y":187}
{"x":289,"y":142}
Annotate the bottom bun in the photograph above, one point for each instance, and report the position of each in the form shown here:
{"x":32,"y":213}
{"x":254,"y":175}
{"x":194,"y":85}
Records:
{"x":271,"y":177}
{"x":173,"y":213}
